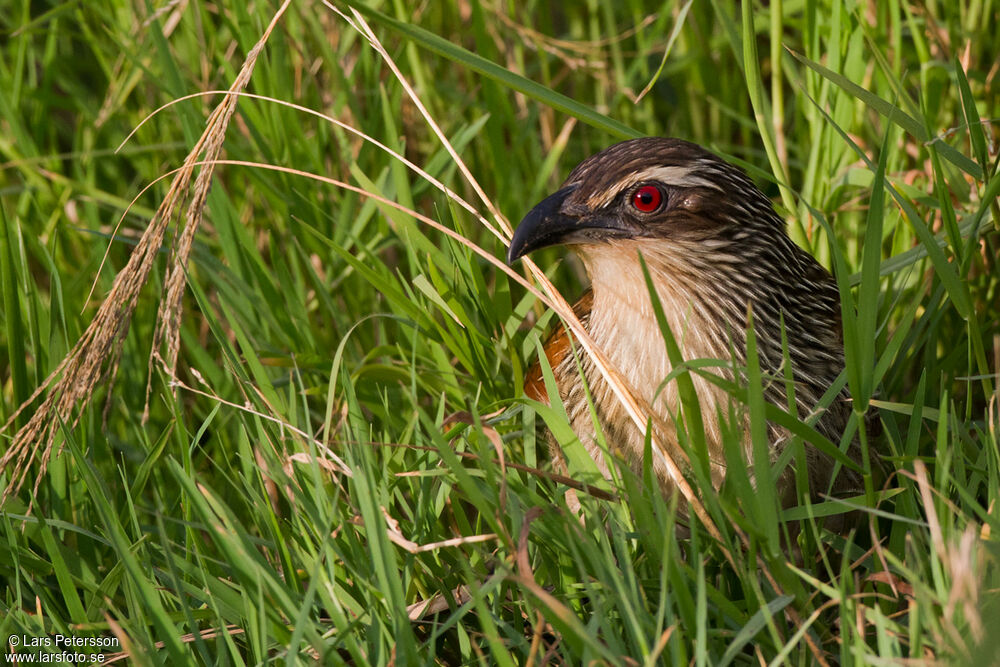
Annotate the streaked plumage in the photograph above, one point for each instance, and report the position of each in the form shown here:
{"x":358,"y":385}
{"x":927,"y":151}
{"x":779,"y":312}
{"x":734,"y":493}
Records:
{"x":715,"y":248}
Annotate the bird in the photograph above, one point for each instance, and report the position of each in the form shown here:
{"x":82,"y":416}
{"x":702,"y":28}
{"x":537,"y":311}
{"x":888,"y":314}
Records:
{"x":719,"y":257}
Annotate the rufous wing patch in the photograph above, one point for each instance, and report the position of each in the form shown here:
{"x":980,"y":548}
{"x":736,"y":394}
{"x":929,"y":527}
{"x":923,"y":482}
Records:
{"x":556,"y":348}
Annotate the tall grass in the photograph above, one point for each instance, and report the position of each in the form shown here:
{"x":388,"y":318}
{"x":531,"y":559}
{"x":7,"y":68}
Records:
{"x":344,"y":469}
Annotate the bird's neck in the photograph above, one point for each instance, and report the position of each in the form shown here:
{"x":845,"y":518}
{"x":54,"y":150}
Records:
{"x":623,"y":322}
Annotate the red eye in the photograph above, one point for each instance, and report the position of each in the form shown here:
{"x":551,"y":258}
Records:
{"x":647,"y":198}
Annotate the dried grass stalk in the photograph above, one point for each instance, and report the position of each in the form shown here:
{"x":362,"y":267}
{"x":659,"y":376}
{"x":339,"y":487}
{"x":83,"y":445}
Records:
{"x":97,"y":354}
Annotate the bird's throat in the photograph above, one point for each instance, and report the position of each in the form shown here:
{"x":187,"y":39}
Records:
{"x":623,"y":320}
{"x":623,"y":323}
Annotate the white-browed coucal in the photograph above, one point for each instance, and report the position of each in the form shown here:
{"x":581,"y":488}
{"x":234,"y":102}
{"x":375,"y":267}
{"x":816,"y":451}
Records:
{"x":716,"y":250}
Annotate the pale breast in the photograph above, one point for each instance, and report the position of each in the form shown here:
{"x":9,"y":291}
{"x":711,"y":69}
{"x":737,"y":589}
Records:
{"x":623,"y":322}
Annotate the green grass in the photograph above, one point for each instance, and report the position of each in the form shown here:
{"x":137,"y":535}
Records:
{"x":322,"y":326}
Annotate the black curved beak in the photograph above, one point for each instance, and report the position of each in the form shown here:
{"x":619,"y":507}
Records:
{"x":543,"y":226}
{"x":547,"y":224}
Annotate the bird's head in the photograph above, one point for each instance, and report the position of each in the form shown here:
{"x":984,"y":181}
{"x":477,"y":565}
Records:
{"x":712,"y":242}
{"x":645,"y":190}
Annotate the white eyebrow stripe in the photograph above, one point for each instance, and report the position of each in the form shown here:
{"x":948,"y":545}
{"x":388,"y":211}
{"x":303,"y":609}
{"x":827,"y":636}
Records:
{"x":682,"y":177}
{"x":674,"y":175}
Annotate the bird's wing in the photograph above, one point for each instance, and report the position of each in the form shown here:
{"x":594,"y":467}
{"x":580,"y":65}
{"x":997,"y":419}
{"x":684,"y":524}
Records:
{"x":556,"y":347}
